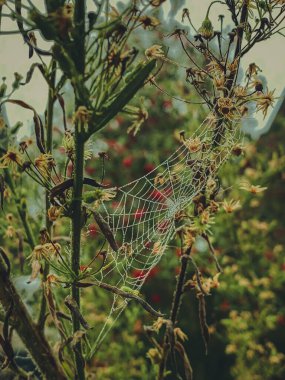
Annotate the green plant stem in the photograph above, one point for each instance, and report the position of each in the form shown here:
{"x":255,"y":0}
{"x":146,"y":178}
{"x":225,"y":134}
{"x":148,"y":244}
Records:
{"x":22,"y":213}
{"x":79,"y":60}
{"x":76,"y":241}
{"x":176,"y":303}
{"x":27,"y":330}
{"x":49,"y":142}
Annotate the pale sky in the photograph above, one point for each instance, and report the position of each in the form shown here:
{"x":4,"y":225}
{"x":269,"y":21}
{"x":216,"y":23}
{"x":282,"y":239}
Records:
{"x":270,"y":56}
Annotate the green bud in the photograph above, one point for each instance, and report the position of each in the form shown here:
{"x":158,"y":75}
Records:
{"x":17,"y":81}
{"x":206,"y":30}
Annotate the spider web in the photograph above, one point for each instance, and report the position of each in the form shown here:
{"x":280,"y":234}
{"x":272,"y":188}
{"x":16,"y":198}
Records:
{"x":142,"y":216}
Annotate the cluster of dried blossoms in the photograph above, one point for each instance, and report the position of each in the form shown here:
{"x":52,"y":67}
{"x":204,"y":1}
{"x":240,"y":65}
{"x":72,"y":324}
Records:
{"x":219,"y":80}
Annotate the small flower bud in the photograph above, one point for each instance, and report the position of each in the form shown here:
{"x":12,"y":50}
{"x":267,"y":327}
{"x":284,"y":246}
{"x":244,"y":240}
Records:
{"x":207,"y":30}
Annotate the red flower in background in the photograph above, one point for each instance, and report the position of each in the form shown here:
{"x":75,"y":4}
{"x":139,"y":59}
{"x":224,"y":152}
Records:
{"x":178,"y":252}
{"x":168,"y":191}
{"x":139,"y":213}
{"x":140,"y":273}
{"x":148,"y":244}
{"x":89,"y":170}
{"x":163,"y":225}
{"x":156,"y":298}
{"x":281,"y":320}
{"x":114,"y":145}
{"x":177,"y":270}
{"x":92,"y":230}
{"x":83,"y":268}
{"x":119,"y":119}
{"x":157,"y":195}
{"x":61,"y":150}
{"x":167,"y":104}
{"x":269,"y":255}
{"x":148,"y":167}
{"x":153,"y":272}
{"x":225,"y":305}
{"x":128,"y":162}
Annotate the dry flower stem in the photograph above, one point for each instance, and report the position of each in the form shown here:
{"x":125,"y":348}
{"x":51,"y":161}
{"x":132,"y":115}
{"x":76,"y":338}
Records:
{"x":177,"y":299}
{"x":49,"y":142}
{"x":79,"y":18}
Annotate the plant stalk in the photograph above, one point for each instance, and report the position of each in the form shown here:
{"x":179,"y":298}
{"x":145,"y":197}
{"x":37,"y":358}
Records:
{"x":79,"y":61}
{"x":76,"y":241}
{"x":176,"y":303}
{"x":49,"y":149}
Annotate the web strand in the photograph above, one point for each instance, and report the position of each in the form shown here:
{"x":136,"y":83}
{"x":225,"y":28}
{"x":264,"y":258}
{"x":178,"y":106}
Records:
{"x":142,"y":218}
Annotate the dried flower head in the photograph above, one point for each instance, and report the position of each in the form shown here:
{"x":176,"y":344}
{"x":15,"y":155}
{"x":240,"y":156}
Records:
{"x":155,"y":51}
{"x":154,"y":355}
{"x":138,"y":116}
{"x":149,"y":22}
{"x":193,"y":144}
{"x":159,"y":179}
{"x":253,"y":69}
{"x":213,"y":207}
{"x":44,"y":163}
{"x":237,"y":150}
{"x":10,"y":232}
{"x":82,"y":115}
{"x":157,"y":248}
{"x":69,"y":147}
{"x":264,"y":101}
{"x":219,"y":82}
{"x":226,"y":107}
{"x":54,"y":212}
{"x":12,"y":158}
{"x":9,"y":217}
{"x":215,"y":68}
{"x":240,"y":91}
{"x":45,"y":251}
{"x":205,"y":217}
{"x":68,"y":144}
{"x":189,"y":237}
{"x":118,"y":59}
{"x":52,"y":279}
{"x":180,"y":334}
{"x":231,"y":206}
{"x":254,"y":189}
